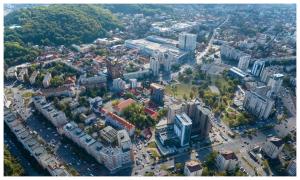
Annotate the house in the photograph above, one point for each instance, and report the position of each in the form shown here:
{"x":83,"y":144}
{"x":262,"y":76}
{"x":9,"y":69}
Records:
{"x":124,"y":104}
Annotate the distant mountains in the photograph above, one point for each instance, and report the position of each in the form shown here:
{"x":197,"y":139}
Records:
{"x":59,"y":24}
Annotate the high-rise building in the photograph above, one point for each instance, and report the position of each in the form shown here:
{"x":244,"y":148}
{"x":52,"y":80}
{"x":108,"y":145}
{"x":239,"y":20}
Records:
{"x":154,"y":66}
{"x":244,"y":62}
{"x":119,"y":84}
{"x":167,"y":60}
{"x":114,"y":68}
{"x":226,"y":160}
{"x":258,"y":103}
{"x":183,"y":128}
{"x":275,"y":83}
{"x":258,"y":67}
{"x":273,"y":147}
{"x":157,"y":93}
{"x":173,"y":109}
{"x":187,"y":41}
{"x":200,"y":116}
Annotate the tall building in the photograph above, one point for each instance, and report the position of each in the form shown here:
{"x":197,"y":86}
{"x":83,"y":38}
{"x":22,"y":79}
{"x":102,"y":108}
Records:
{"x":157,"y":93}
{"x":114,"y":68}
{"x":173,"y":109}
{"x":244,"y":62}
{"x":200,"y":116}
{"x":46,"y":80}
{"x":167,"y":60}
{"x":268,"y":72}
{"x":275,"y":83}
{"x":258,"y":103}
{"x":273,"y":147}
{"x":119,"y":84}
{"x":193,"y":168}
{"x":183,"y":128}
{"x":226,"y":160}
{"x":187,"y":41}
{"x":258,"y":67}
{"x":154,"y":66}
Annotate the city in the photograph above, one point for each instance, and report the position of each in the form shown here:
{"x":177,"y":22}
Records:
{"x":149,"y":90}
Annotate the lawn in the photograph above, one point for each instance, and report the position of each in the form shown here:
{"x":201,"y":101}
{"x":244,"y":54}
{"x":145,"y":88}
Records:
{"x":181,"y":89}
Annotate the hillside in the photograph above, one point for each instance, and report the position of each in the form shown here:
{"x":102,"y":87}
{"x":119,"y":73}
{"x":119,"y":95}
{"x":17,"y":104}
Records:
{"x":147,"y":9}
{"x":59,"y":24}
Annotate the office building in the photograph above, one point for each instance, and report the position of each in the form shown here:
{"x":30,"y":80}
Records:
{"x":173,"y":109}
{"x":133,"y":83}
{"x":258,"y":68}
{"x":154,"y":66}
{"x":157,"y":93}
{"x":226,"y":161}
{"x":275,"y":83}
{"x":193,"y":168}
{"x":258,"y":103}
{"x":273,"y":147}
{"x":183,"y":128}
{"x":187,"y":41}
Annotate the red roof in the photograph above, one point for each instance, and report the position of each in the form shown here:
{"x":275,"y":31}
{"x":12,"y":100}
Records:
{"x":151,"y":112}
{"x":122,"y":105}
{"x":117,"y":118}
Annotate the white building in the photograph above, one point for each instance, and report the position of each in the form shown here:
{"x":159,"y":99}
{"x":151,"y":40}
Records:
{"x":193,"y":168}
{"x":173,"y":109}
{"x":133,"y":83}
{"x":275,"y":83}
{"x":226,"y":160}
{"x":46,"y":80}
{"x":187,"y":41}
{"x":154,"y":66}
{"x":124,"y":140}
{"x":33,"y":77}
{"x":257,"y":103}
{"x":273,"y":147}
{"x":244,"y":62}
{"x":119,"y":84}
{"x":258,"y":68}
{"x":183,"y":128}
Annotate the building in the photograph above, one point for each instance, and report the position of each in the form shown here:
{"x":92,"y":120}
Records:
{"x":258,"y":68}
{"x":33,"y":77}
{"x":141,"y":74}
{"x":244,"y":62}
{"x":22,"y":74}
{"x":118,"y":122}
{"x":200,"y":115}
{"x":124,"y":104}
{"x":273,"y":147}
{"x":95,"y":104}
{"x":233,"y":56}
{"x":109,"y":134}
{"x":57,"y":118}
{"x":193,"y":168}
{"x":124,"y":140}
{"x":187,"y":41}
{"x":258,"y":103}
{"x":236,"y":73}
{"x":275,"y":83}
{"x":154,"y":66}
{"x":292,"y":168}
{"x":95,"y":81}
{"x":59,"y":91}
{"x":157,"y":93}
{"x":173,"y":109}
{"x":133,"y":83}
{"x":119,"y":85}
{"x":167,"y":61}
{"x":114,"y":68}
{"x":226,"y":161}
{"x":183,"y":128}
{"x":268,"y":72}
{"x":46,"y":80}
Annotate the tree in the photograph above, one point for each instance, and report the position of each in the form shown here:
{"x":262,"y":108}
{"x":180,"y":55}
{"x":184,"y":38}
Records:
{"x":162,"y":112}
{"x":174,"y":90}
{"x":185,"y":97}
{"x":11,"y":166}
{"x":191,"y":95}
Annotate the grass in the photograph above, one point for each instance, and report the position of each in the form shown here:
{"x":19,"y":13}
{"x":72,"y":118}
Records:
{"x":155,"y":154}
{"x":181,"y":90}
{"x":152,"y":145}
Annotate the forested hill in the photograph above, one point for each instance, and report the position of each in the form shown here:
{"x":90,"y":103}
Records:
{"x":59,"y":24}
{"x":146,"y":9}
